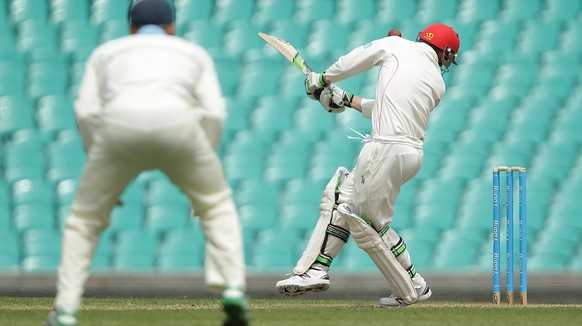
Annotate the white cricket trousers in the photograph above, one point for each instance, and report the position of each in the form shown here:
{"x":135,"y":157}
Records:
{"x":375,"y":182}
{"x":118,"y":153}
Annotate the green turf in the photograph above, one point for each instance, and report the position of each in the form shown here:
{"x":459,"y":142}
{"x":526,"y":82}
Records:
{"x":131,"y":311}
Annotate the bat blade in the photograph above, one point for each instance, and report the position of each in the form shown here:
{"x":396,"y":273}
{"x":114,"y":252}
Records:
{"x":288,"y":51}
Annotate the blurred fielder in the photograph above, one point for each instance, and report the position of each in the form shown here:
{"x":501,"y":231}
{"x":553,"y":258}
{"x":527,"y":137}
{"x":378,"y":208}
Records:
{"x":361,"y":202}
{"x":151,"y":101}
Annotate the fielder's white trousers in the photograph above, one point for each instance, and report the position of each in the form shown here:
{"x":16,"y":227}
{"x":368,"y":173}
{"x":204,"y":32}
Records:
{"x":117,"y":154}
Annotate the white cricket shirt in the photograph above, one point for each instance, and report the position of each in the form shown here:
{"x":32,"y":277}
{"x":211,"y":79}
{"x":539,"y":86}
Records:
{"x":150,"y":81}
{"x":409,"y":86}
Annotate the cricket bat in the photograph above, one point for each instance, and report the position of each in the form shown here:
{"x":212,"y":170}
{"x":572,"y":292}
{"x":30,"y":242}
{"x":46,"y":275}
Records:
{"x":288,"y":51}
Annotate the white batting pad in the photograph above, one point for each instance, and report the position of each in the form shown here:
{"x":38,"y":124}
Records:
{"x":370,"y":241}
{"x":326,"y":217}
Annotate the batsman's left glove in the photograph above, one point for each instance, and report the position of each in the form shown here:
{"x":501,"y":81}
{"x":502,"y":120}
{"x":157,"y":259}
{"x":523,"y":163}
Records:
{"x":314,"y":85}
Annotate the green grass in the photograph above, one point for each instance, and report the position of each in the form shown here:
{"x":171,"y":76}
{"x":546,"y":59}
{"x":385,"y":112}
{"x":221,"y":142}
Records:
{"x":17,"y":311}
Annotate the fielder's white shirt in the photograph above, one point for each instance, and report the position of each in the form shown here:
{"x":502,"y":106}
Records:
{"x":409,"y":87}
{"x":164,"y":76}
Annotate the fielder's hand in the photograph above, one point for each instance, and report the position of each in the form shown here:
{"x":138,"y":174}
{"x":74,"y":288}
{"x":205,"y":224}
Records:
{"x":334,"y":99}
{"x":314,"y":84}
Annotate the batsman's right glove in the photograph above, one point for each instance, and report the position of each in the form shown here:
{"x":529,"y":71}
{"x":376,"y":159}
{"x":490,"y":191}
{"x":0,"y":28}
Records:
{"x":334,"y":99}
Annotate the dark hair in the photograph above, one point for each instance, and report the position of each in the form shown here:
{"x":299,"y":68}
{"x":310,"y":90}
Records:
{"x":155,"y":12}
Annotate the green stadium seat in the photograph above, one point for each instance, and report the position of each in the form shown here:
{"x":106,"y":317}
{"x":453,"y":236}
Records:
{"x":521,"y":10}
{"x":136,"y":241}
{"x":273,"y":11}
{"x":23,"y":172}
{"x":104,"y":10}
{"x":182,"y":241}
{"x":422,"y":253}
{"x":272,"y":116}
{"x":134,"y":193}
{"x":133,"y":263}
{"x":565,"y":10}
{"x":500,"y":35}
{"x":228,"y":69}
{"x":206,"y":33}
{"x":273,"y":249}
{"x":17,"y":114}
{"x":32,"y":191}
{"x":5,"y":210}
{"x":354,"y":261}
{"x":292,"y":31}
{"x":67,"y":142}
{"x":64,"y":10}
{"x":284,"y":170}
{"x":242,"y":35}
{"x":22,"y":10}
{"x":10,"y":243}
{"x":13,"y":75}
{"x":163,"y":191}
{"x":313,"y":10}
{"x":258,"y":216}
{"x":180,"y":263}
{"x":576,"y":264}
{"x":78,"y":33}
{"x":364,"y":31}
{"x":548,"y":30}
{"x":126,"y":217}
{"x":41,"y":242}
{"x":430,"y":11}
{"x":547,"y":263}
{"x":113,"y":29}
{"x":229,"y":10}
{"x":299,"y":217}
{"x":395,"y":10}
{"x":27,"y":152}
{"x":40,"y":264}
{"x":430,"y":191}
{"x":321,"y":46}
{"x":239,"y":166}
{"x":9,"y":263}
{"x":366,"y":10}
{"x":36,"y":34}
{"x":33,"y":216}
{"x":311,"y":119}
{"x":289,"y":81}
{"x":302,"y":191}
{"x":165,"y":217}
{"x":192,"y":10}
{"x":456,"y":256}
{"x":476,"y":10}
{"x":66,"y":191}
{"x":55,"y":114}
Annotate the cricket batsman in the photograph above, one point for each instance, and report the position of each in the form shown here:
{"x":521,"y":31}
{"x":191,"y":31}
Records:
{"x":361,"y":202}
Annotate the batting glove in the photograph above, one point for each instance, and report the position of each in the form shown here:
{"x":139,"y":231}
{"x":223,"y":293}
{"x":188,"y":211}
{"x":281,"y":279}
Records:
{"x":314,"y":84}
{"x":332,"y":99}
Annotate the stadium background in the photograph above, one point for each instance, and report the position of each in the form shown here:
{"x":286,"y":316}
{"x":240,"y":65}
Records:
{"x":514,"y":99}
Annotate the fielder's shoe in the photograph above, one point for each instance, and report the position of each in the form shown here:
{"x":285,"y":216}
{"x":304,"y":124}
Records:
{"x":311,"y":281}
{"x":236,"y":306}
{"x":393,"y":301}
{"x":60,"y":317}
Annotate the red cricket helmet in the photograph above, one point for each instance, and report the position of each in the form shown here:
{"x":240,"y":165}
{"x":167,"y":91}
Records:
{"x":445,"y":38}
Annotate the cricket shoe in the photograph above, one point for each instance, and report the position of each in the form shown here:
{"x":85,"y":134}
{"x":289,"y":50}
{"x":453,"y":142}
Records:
{"x":393,"y":301}
{"x":311,"y":281}
{"x":61,"y":317}
{"x":236,"y":307}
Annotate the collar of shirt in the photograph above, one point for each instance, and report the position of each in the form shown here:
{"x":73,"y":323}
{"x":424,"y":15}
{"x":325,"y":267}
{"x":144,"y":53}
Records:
{"x":150,"y":29}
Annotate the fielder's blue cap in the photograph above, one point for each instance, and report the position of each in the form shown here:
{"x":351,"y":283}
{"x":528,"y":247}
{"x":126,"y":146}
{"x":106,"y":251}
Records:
{"x":155,"y":12}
